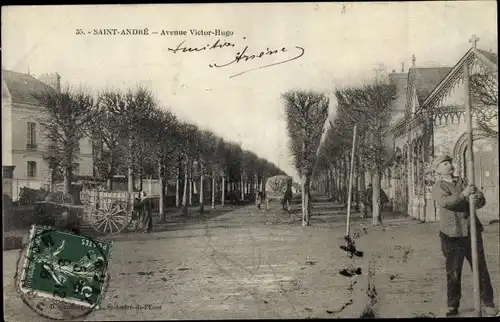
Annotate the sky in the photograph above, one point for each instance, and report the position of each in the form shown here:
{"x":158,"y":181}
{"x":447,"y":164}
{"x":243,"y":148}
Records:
{"x":336,"y":44}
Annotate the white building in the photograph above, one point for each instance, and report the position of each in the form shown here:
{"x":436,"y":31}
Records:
{"x":24,"y":147}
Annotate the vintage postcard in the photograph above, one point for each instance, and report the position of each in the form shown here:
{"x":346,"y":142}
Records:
{"x":250,"y":160}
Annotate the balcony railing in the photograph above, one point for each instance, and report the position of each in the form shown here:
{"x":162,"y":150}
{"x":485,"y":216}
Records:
{"x":31,"y":147}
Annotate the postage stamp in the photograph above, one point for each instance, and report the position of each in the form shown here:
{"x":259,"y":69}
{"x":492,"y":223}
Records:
{"x":65,"y":267}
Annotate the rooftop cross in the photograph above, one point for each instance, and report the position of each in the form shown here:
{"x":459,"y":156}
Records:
{"x":473,"y":40}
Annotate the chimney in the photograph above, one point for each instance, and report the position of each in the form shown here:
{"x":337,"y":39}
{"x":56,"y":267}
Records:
{"x":413,"y":59}
{"x":402,"y":67}
{"x":53,"y":80}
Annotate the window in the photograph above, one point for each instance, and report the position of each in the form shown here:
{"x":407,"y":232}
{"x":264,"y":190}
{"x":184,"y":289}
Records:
{"x":31,"y":135}
{"x":76,"y":168}
{"x":31,"y":169}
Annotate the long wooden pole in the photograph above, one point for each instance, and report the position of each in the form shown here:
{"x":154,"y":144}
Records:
{"x":472,"y":205}
{"x":349,"y":199}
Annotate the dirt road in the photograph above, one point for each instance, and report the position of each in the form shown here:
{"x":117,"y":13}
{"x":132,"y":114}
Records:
{"x":255,"y":264}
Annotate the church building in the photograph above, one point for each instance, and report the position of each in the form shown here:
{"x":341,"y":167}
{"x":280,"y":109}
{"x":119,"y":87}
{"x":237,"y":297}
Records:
{"x":433,"y":121}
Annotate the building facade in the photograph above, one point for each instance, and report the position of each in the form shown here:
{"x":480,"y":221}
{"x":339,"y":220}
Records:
{"x":434,"y":122}
{"x":24,"y":147}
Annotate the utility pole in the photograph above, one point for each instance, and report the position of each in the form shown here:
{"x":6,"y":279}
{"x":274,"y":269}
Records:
{"x":349,"y":196}
{"x":472,"y":205}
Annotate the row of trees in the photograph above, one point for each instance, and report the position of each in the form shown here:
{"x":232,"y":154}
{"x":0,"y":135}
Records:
{"x":368,"y":107}
{"x":306,"y":114}
{"x":131,"y":132}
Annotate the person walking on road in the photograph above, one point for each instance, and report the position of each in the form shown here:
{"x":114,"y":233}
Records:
{"x":451,"y":195}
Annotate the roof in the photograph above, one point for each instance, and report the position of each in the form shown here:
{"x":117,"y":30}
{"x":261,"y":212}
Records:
{"x":425,"y":79}
{"x":21,"y":86}
{"x":490,"y":59}
{"x":279,"y":177}
{"x":493,"y":57}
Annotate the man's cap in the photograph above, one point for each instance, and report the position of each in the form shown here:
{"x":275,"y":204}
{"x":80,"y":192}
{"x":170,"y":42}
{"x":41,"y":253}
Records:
{"x":442,"y":158}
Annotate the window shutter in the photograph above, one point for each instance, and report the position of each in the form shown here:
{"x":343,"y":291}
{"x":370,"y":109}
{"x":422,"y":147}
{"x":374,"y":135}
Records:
{"x":28,"y":133}
{"x":33,"y":133}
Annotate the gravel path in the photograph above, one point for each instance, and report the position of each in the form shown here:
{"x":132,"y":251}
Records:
{"x":253,"y":264}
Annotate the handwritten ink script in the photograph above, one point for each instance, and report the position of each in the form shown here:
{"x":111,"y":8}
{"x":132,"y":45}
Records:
{"x":284,"y":54}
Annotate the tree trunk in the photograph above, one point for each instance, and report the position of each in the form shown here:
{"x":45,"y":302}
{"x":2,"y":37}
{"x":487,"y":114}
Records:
{"x":162,"y":193}
{"x":376,"y":197}
{"x":346,"y":180}
{"x":185,"y":191}
{"x":305,"y":201}
{"x":177,"y":192}
{"x":333,"y":184}
{"x":53,"y":179}
{"x":341,"y":181}
{"x":355,"y":189}
{"x":337,"y":182}
{"x":328,"y":181}
{"x":130,"y":183}
{"x":242,"y":189}
{"x":223,"y":191}
{"x":190,"y":180}
{"x":256,"y":185}
{"x":308,"y":200}
{"x":109,"y":183}
{"x":200,"y":191}
{"x":362,"y":188}
{"x":67,"y":180}
{"x":213,"y":191}
{"x":141,"y":186}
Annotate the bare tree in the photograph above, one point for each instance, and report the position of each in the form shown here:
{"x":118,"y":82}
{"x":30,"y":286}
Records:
{"x":484,"y":93}
{"x":306,"y":113}
{"x":187,"y":138}
{"x":66,"y":116}
{"x":129,"y":108}
{"x":107,"y":135}
{"x":204,"y":155}
{"x":369,"y":106}
{"x":159,"y":137}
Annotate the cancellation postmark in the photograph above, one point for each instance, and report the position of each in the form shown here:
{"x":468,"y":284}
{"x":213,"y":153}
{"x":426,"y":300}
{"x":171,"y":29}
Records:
{"x":63,"y":275}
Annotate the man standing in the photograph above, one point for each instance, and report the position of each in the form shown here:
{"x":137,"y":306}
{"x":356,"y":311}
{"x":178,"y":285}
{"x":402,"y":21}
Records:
{"x":451,"y":195}
{"x":146,"y":212}
{"x":369,"y":196}
{"x":260,"y":197}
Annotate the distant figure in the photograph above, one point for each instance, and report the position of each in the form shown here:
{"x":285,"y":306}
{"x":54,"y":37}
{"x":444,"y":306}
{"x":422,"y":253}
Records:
{"x":287,"y":199}
{"x":146,"y":212}
{"x":368,"y":198}
{"x":383,"y":201}
{"x":234,"y":198}
{"x":260,"y":198}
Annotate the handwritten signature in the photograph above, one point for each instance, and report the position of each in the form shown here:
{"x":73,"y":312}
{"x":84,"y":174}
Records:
{"x":241,"y":56}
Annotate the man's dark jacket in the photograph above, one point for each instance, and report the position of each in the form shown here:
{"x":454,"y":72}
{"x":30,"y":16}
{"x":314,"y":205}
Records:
{"x":454,"y":207}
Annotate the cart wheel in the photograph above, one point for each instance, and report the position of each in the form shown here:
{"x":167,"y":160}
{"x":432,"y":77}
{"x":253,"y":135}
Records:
{"x":110,"y":216}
